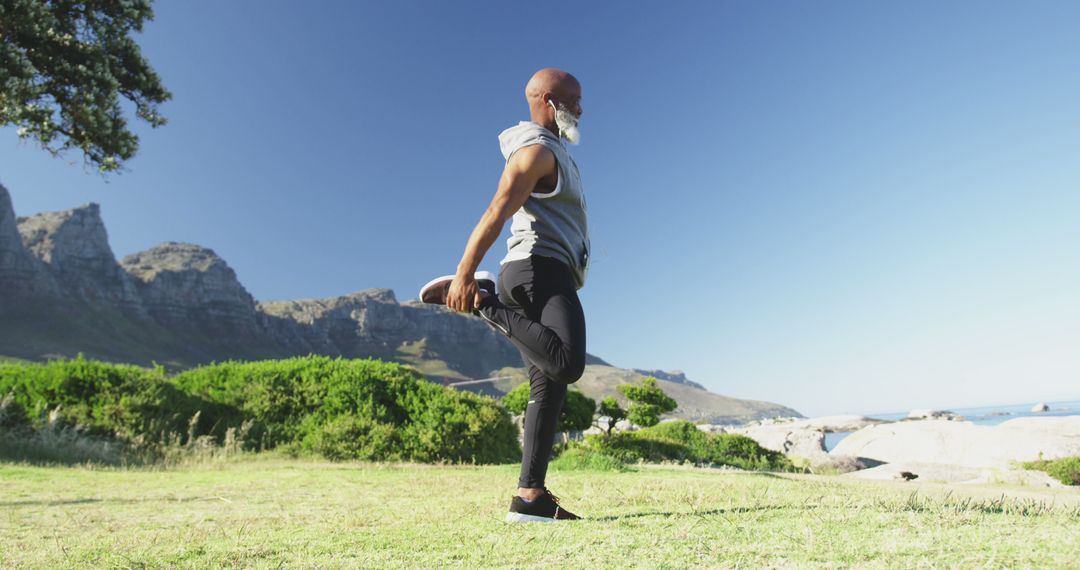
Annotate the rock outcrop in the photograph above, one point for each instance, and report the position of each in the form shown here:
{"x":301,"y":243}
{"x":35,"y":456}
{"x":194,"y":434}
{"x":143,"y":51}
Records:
{"x":74,"y":245}
{"x":787,"y":439}
{"x":928,"y":414}
{"x":945,"y":473}
{"x":23,"y":277}
{"x":676,"y":376}
{"x":843,"y":423}
{"x":372,"y":323}
{"x":189,"y":288}
{"x":964,"y":443}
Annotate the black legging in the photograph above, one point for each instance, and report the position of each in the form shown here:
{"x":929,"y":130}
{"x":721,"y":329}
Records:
{"x":539,"y":311}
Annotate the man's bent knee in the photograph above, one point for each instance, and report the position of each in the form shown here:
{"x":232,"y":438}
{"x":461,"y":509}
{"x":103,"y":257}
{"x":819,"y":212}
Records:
{"x":568,"y":374}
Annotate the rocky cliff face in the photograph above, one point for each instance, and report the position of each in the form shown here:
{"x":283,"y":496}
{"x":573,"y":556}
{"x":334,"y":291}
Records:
{"x":74,"y":246}
{"x":22,"y":276}
{"x":676,"y":376}
{"x":372,"y":323}
{"x":189,"y":288}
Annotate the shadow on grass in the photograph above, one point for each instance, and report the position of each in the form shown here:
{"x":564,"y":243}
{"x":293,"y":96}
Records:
{"x":710,"y":512}
{"x":63,"y":502}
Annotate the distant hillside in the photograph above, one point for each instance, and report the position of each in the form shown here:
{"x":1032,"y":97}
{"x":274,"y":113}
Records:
{"x":695,"y":403}
{"x":63,"y":292}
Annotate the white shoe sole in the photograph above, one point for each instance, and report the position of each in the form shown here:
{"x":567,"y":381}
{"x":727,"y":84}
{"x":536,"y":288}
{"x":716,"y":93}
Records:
{"x":522,"y":518}
{"x":479,"y":276}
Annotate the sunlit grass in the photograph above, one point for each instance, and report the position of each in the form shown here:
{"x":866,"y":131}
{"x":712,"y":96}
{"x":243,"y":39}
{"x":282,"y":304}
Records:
{"x":266,"y":512}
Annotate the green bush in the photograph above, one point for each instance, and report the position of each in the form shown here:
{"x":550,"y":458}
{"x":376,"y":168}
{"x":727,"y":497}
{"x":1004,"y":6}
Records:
{"x":610,"y":408}
{"x":109,"y":400}
{"x":682,"y":441}
{"x":301,"y":401}
{"x":576,"y":414}
{"x":647,"y":401}
{"x":630,"y":447}
{"x":1066,"y":469}
{"x":578,"y":458}
{"x":343,"y":409}
{"x":351,"y":437}
{"x":12,"y":414}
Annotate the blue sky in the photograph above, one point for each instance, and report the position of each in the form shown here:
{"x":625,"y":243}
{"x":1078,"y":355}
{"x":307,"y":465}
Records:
{"x":844,"y":207}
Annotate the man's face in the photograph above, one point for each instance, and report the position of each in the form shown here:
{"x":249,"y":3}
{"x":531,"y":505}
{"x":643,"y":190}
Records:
{"x":567,"y":114}
{"x":570,"y":97}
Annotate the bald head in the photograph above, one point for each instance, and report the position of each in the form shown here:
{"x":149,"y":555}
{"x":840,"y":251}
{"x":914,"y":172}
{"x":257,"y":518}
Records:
{"x":550,"y":89}
{"x":553,"y":82}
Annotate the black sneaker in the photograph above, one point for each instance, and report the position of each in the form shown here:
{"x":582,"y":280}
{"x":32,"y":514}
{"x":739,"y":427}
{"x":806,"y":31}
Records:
{"x":434,"y":291}
{"x":544,"y":508}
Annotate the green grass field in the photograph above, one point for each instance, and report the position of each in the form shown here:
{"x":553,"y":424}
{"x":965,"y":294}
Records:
{"x":268,"y":512}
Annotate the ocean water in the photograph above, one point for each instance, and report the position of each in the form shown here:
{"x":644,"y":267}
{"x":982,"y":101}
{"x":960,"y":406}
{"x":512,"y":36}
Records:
{"x":986,"y":416}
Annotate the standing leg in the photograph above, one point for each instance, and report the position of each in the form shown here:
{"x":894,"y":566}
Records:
{"x":537,"y":308}
{"x":541,"y":417}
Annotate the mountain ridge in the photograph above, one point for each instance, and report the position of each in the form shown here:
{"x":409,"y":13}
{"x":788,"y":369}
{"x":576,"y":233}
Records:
{"x":63,"y":292}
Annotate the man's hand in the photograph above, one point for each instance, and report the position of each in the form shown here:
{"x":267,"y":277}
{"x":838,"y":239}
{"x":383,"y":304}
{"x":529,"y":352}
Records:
{"x":464,"y":294}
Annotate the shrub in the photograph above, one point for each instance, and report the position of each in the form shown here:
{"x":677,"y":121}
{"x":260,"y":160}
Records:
{"x":631,"y":447}
{"x":681,"y":440}
{"x":109,"y":400}
{"x":611,"y":409}
{"x":305,"y":402}
{"x":1066,"y":469}
{"x":517,"y":399}
{"x":582,"y":458}
{"x":576,"y":414}
{"x":343,"y":409}
{"x":12,"y":414}
{"x":351,"y":437}
{"x":648,"y":401}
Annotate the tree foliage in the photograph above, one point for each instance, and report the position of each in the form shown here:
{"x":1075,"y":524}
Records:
{"x":648,"y":402}
{"x":64,"y":67}
{"x":610,"y":407}
{"x":517,"y":399}
{"x":577,"y":412}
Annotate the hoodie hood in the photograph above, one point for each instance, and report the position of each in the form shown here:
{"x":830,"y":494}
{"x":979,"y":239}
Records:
{"x":524,"y":133}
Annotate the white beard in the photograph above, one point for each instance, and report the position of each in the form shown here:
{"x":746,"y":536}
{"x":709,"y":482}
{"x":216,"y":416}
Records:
{"x":567,"y":124}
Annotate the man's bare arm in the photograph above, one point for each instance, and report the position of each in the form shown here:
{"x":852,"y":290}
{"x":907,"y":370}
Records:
{"x":519,"y":178}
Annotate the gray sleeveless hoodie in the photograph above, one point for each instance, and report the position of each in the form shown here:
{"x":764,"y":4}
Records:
{"x":551,"y":224}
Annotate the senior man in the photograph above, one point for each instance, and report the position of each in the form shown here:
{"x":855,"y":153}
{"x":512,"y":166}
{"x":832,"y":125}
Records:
{"x":535,"y":303}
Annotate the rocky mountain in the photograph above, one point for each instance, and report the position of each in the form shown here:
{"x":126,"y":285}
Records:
{"x":372,"y":323}
{"x":23,"y":276}
{"x":676,"y":376}
{"x":63,"y":292}
{"x":695,"y":402}
{"x":74,"y":247}
{"x":189,"y":289}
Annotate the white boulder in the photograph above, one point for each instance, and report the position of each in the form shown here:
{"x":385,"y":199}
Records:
{"x":941,"y":473}
{"x":836,"y":423}
{"x":789,"y":440}
{"x":1040,"y":408}
{"x":928,"y":414}
{"x":964,"y":443}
